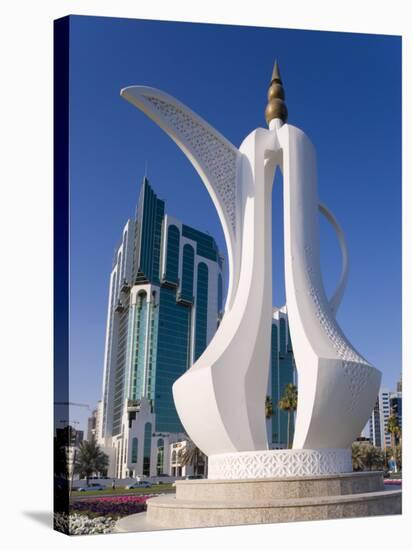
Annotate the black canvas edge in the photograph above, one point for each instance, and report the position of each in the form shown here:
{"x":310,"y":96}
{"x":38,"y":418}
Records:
{"x":61,"y":33}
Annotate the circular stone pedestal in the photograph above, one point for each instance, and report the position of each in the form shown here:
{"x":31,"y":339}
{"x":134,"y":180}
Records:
{"x":279,"y":463}
{"x":211,"y":503}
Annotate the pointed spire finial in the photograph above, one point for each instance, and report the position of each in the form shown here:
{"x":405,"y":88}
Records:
{"x":276,"y":107}
{"x":276,"y":72}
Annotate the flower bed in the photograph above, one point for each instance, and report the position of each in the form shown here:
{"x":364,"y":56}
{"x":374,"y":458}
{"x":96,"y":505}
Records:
{"x":392,"y":481}
{"x":110,"y":506}
{"x":96,"y":515}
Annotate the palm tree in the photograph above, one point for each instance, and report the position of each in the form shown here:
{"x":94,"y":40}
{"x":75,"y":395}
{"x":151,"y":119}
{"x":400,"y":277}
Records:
{"x":357,"y":453}
{"x":398,"y":456}
{"x":394,"y":429}
{"x":60,"y":459}
{"x":90,"y":459}
{"x":192,"y":455}
{"x":268,"y":407}
{"x":388,"y":452}
{"x":289,"y":403}
{"x":372,"y":457}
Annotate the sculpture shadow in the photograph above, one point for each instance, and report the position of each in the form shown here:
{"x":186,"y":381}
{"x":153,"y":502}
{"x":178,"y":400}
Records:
{"x":44,"y":518}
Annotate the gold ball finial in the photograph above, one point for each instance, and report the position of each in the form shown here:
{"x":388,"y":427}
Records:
{"x":276,"y":107}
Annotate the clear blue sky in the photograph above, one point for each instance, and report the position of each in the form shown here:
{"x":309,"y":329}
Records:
{"x":343,"y":90}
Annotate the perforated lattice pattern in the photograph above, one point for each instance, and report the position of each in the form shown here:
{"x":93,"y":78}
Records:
{"x":279,"y":463}
{"x":217,"y":158}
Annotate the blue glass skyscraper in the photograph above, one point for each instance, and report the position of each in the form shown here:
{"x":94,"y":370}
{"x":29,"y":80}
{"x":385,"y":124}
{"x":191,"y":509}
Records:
{"x":165,"y":303}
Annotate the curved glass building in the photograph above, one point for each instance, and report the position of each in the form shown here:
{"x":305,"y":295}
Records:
{"x":165,"y":304}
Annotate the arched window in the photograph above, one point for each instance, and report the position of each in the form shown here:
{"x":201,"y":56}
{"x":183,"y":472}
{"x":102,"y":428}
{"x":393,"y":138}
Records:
{"x":134,"y":450}
{"x":289,"y":340}
{"x":201,"y":308}
{"x":114,"y":287}
{"x":119,"y":268}
{"x":219,"y":294}
{"x":188,"y":266}
{"x":124,"y":255}
{"x":282,"y":337}
{"x":139,"y":345}
{"x":141,"y":298}
{"x":147,"y":448}
{"x":172,"y":258}
{"x":160,"y":456}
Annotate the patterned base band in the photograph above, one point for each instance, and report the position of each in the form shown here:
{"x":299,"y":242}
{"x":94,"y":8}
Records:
{"x":280,"y":463}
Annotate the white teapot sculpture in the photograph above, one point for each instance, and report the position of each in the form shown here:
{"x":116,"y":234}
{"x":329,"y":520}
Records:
{"x":220,"y":399}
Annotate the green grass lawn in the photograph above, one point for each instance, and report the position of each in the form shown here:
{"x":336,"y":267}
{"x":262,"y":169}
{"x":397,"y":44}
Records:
{"x":163,"y":488}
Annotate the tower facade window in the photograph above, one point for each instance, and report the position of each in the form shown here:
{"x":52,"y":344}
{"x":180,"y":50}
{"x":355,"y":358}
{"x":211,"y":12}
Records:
{"x":134,"y":450}
{"x":147,"y":448}
{"x":219,"y":294}
{"x":172,"y":256}
{"x":188,"y":266}
{"x":201,"y":308}
{"x":160,"y":456}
